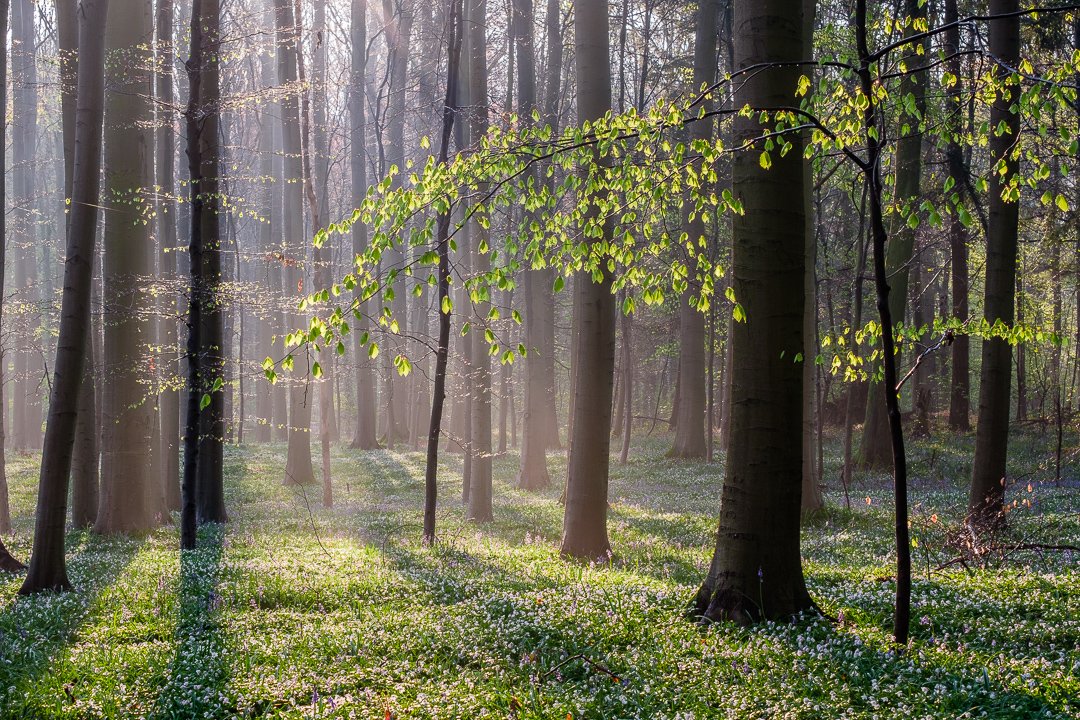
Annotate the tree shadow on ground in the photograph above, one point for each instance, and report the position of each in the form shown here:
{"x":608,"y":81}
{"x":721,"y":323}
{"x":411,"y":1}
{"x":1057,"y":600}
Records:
{"x":36,"y":630}
{"x":196,"y":680}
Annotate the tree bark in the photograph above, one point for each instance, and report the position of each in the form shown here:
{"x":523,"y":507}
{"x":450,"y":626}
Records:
{"x":129,"y":487}
{"x":365,"y":435}
{"x":585,"y":513}
{"x":690,"y":423}
{"x":756,"y":570}
{"x":5,"y":505}
{"x":992,"y":430}
{"x":874,"y":452}
{"x":48,"y":569}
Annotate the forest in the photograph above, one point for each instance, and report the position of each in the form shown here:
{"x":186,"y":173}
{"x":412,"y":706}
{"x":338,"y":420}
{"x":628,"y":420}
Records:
{"x":583,"y":359}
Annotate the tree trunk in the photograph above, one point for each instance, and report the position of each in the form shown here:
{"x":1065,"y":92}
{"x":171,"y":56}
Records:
{"x":992,"y":431}
{"x":585,"y":514}
{"x":209,"y":490}
{"x":48,"y":569}
{"x":298,"y":468}
{"x":5,"y":505}
{"x":690,"y":423}
{"x":129,"y":487}
{"x":166,"y":159}
{"x":756,"y":570}
{"x":365,"y":436}
{"x":442,"y":241}
{"x":874,"y":452}
{"x":26,"y":421}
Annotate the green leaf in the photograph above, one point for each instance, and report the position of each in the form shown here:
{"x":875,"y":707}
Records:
{"x":1062,"y":203}
{"x":559,"y":283}
{"x":204,"y":402}
{"x":738,"y":313}
{"x":316,"y":370}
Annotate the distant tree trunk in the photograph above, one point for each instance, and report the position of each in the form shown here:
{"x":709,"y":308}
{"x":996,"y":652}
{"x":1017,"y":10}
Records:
{"x":269,"y":249}
{"x":960,"y":384}
{"x":480,"y":509}
{"x":628,"y":386}
{"x":1021,"y":354}
{"x":756,"y":570}
{"x":874,"y":452}
{"x":5,"y":505}
{"x":690,"y":423}
{"x":811,"y":486}
{"x":365,"y":436}
{"x":298,"y":468}
{"x":48,"y":569}
{"x":532,"y":471}
{"x":129,"y":488}
{"x":992,"y":431}
{"x":585,"y":515}
{"x":26,"y":421}
{"x":546,"y":308}
{"x":315,"y":160}
{"x":399,"y":19}
{"x":166,"y":178}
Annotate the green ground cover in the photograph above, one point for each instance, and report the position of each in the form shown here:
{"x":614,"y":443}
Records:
{"x":293,"y":611}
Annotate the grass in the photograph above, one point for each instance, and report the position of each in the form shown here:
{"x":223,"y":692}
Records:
{"x":293,"y":611}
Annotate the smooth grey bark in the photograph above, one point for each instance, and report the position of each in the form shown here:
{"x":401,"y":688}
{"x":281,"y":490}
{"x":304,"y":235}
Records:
{"x":5,"y":505}
{"x":480,"y":509}
{"x":690,"y":422}
{"x":28,"y":379}
{"x":365,"y":434}
{"x":129,"y":487}
{"x":585,"y":513}
{"x":168,"y":248}
{"x":48,"y":569}
{"x":992,"y":430}
{"x":756,"y":569}
{"x":298,"y":467}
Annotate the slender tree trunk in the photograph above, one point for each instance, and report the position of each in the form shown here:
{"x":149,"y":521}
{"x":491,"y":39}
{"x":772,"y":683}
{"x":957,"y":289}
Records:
{"x":48,"y":569}
{"x":5,"y":506}
{"x":26,"y":421}
{"x":690,"y":423}
{"x":169,"y":245}
{"x":298,"y":468}
{"x":874,"y":451}
{"x":209,"y":490}
{"x":365,"y":437}
{"x":585,"y":514}
{"x":756,"y":570}
{"x":992,"y":431}
{"x":442,"y":241}
{"x":269,"y":249}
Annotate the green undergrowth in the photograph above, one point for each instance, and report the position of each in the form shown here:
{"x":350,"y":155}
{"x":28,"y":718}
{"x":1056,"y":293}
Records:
{"x":295,"y":611}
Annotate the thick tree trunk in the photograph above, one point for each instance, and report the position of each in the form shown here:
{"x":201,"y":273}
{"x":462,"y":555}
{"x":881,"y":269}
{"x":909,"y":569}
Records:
{"x":690,"y":423}
{"x":756,"y":570}
{"x":992,"y":431}
{"x":585,"y":514}
{"x":129,"y":487}
{"x":47,"y":566}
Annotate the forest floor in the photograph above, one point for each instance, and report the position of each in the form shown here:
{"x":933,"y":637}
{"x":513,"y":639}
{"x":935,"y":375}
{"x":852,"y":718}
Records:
{"x":295,"y":611}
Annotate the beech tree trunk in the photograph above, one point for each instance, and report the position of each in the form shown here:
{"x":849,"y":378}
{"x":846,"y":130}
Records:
{"x":365,"y":435}
{"x":129,"y":488}
{"x":5,"y":505}
{"x":48,"y":570}
{"x":756,"y":570}
{"x":690,"y":422}
{"x":585,"y":513}
{"x":298,"y":468}
{"x":874,"y":452}
{"x":992,"y":431}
